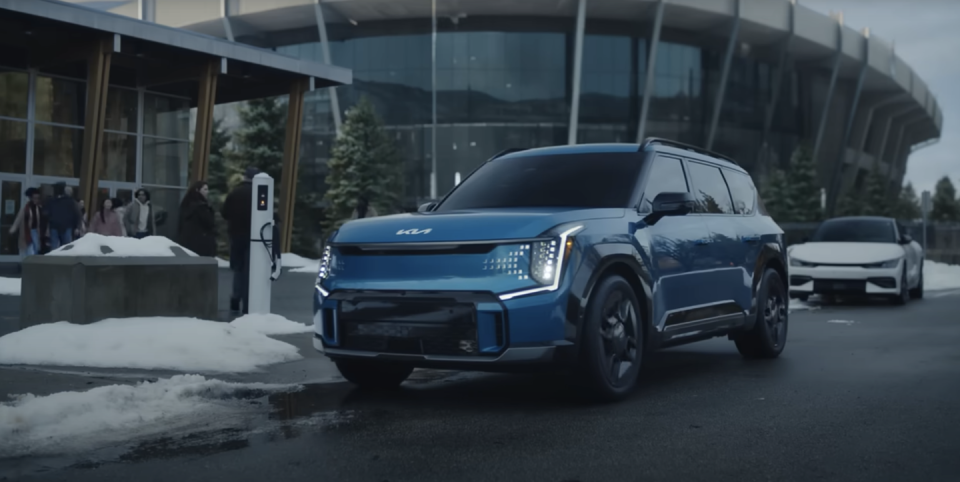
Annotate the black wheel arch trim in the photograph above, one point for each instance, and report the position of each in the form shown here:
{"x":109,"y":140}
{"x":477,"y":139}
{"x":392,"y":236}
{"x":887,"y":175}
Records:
{"x":771,"y":256}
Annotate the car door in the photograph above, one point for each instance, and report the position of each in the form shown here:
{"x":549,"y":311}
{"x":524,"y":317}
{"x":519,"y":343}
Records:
{"x":728,"y":280}
{"x":673,"y":248}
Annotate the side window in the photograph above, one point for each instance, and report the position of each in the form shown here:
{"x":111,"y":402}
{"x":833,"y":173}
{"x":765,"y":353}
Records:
{"x":666,"y":175}
{"x":711,"y":191}
{"x":742,"y":190}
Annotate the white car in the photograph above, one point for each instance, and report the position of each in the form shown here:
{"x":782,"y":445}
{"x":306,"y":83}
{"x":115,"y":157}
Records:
{"x":857,"y":256}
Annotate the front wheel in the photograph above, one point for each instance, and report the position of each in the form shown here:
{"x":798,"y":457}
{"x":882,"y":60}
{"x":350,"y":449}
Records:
{"x":769,"y":333}
{"x":903,"y":296}
{"x":612,"y":341}
{"x":374,"y":375}
{"x":917,"y":293}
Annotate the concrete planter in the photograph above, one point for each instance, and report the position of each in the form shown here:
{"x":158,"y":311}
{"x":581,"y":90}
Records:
{"x":87,"y":289}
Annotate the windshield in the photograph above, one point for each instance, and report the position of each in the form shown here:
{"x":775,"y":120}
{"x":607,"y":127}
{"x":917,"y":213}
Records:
{"x":588,"y":180}
{"x":856,"y":231}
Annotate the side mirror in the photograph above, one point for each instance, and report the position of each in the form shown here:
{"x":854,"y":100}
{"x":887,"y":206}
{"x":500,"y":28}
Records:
{"x":671,"y":204}
{"x":426,"y":207}
{"x":905,"y":239}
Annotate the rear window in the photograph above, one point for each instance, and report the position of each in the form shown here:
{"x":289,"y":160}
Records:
{"x":590,"y":180}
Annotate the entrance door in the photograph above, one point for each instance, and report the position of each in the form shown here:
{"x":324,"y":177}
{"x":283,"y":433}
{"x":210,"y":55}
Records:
{"x":11,"y":200}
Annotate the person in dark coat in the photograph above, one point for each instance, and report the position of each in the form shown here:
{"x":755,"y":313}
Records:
{"x":197,"y":228}
{"x":236,"y":210}
{"x":63,"y":216}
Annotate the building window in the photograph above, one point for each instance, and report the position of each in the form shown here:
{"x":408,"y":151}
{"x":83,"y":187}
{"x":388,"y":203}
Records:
{"x":60,"y":101}
{"x":165,"y":161}
{"x":121,"y":110}
{"x":119,"y":161}
{"x":57,"y":150}
{"x":14,"y":93}
{"x":13,"y":146}
{"x":166,"y":117}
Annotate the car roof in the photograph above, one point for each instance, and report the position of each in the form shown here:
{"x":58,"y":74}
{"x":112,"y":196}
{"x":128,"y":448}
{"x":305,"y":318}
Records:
{"x":860,"y":218}
{"x":619,"y":147}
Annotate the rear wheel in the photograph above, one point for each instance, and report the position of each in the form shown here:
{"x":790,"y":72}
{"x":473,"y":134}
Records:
{"x":769,"y":333}
{"x":612,"y":341}
{"x":374,"y":375}
{"x":917,"y":293}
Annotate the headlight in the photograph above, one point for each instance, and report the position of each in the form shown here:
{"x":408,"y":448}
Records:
{"x":547,"y":261}
{"x":324,"y":264}
{"x":886,"y":264}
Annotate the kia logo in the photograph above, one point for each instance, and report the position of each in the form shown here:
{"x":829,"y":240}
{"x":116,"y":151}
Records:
{"x":414,"y":231}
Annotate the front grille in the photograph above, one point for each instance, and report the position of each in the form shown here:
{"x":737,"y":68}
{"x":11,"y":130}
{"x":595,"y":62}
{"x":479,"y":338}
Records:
{"x":409,"y":327}
{"x":840,"y":286}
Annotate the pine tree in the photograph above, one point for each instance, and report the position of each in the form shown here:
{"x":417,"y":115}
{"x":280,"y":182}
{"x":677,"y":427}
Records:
{"x":876,"y":201}
{"x":363,"y":162}
{"x":259,"y":143}
{"x":908,"y":205}
{"x":945,"y":205}
{"x":851,"y":204}
{"x":803,"y":188}
{"x":775,"y":199}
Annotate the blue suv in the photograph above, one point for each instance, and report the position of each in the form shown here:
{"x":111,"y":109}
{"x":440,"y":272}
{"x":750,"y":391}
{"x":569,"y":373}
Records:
{"x":583,"y":257}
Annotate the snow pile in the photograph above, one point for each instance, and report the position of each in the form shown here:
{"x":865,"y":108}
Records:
{"x":222,"y":263}
{"x":940,"y":276}
{"x":185,"y":344}
{"x":270,"y":325}
{"x":797,"y":305}
{"x":70,"y":421}
{"x":10,"y":286}
{"x":91,"y":244}
{"x":291,"y":260}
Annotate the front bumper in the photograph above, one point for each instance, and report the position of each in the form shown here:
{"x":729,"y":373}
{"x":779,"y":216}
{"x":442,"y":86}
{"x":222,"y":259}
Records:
{"x":849,"y":280}
{"x":454,"y":329}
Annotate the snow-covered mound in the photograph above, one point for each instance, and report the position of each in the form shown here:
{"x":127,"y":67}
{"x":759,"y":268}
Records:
{"x":185,"y":344}
{"x":93,"y":244}
{"x":940,"y":276}
{"x":10,"y":286}
{"x":72,"y":421}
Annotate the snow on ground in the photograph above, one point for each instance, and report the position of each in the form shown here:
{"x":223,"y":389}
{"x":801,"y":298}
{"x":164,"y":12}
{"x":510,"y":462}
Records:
{"x":270,"y":324}
{"x":90,"y":244}
{"x":797,"y":305}
{"x":81,"y":421}
{"x":940,"y":276}
{"x":291,"y":260}
{"x":10,"y":286}
{"x":222,"y":263}
{"x":185,"y":344}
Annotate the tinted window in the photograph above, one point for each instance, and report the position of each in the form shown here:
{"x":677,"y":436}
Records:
{"x":666,"y":175}
{"x":742,"y":190}
{"x":855,"y":231}
{"x":710,"y":189}
{"x":594,"y":180}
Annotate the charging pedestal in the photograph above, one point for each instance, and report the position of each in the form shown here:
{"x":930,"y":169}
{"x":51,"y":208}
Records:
{"x":261,"y":245}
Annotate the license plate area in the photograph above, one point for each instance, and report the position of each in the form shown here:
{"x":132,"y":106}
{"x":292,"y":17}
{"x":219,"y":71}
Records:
{"x":840,"y":286}
{"x":408,"y":326}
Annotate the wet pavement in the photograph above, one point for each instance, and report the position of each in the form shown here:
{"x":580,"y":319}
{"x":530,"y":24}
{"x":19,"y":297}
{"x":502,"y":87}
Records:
{"x":864,"y":392}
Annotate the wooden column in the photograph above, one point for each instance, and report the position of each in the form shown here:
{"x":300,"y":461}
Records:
{"x":291,"y":159}
{"x":98,"y":78}
{"x":206,"y":99}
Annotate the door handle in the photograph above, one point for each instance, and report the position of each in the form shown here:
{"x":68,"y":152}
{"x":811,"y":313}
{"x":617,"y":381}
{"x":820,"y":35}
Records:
{"x":750,"y":239}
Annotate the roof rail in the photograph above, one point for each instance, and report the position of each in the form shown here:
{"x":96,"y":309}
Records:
{"x":504,"y":152}
{"x":680,"y":145}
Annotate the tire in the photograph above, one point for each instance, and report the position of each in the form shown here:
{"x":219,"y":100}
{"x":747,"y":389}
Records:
{"x":769,"y":333}
{"x":904,"y":296}
{"x":917,"y":293}
{"x":374,"y":375}
{"x":612,"y":341}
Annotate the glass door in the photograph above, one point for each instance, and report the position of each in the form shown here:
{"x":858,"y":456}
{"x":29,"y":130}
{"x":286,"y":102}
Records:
{"x":11,"y":199}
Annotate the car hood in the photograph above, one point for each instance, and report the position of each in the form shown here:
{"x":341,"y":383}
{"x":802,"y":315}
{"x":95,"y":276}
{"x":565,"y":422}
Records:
{"x":478,"y":225}
{"x":845,"y":253}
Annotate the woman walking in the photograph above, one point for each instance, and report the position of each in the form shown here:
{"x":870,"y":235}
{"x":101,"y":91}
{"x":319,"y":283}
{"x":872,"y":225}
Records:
{"x":197,"y":227}
{"x":105,"y":221}
{"x":31,"y":223}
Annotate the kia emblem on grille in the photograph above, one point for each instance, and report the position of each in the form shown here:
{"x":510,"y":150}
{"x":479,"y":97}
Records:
{"x":414,"y":231}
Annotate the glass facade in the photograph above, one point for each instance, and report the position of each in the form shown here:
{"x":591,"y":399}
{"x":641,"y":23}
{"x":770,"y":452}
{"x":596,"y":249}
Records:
{"x":146,"y":142}
{"x":502,"y":89}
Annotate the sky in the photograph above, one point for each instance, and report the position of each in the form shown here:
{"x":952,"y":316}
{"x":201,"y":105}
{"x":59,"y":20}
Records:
{"x":926,"y":35}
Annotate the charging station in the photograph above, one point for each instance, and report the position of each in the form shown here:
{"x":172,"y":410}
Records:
{"x":264,"y":245}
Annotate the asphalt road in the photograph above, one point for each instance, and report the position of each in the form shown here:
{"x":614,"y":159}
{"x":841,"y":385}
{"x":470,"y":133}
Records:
{"x":874,"y":400}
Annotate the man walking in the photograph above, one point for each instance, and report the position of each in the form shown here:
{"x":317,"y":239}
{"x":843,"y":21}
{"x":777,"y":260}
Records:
{"x":64,"y":217}
{"x":236,"y":211}
{"x":138,"y":220}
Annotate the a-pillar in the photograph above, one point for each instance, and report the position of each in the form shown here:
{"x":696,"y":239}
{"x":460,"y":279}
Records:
{"x":206,"y":98}
{"x":291,"y":160}
{"x":98,"y":80}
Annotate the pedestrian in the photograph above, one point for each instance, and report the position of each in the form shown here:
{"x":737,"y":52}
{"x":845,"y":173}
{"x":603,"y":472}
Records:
{"x":197,"y":228}
{"x":82,"y":229}
{"x":138,"y":218}
{"x":106,"y":221}
{"x":120,"y":207}
{"x":363,"y":209}
{"x":31,"y":223}
{"x":236,"y":210}
{"x":64,"y":216}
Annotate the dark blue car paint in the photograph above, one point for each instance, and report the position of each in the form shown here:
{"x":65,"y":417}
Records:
{"x":696,"y":276}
